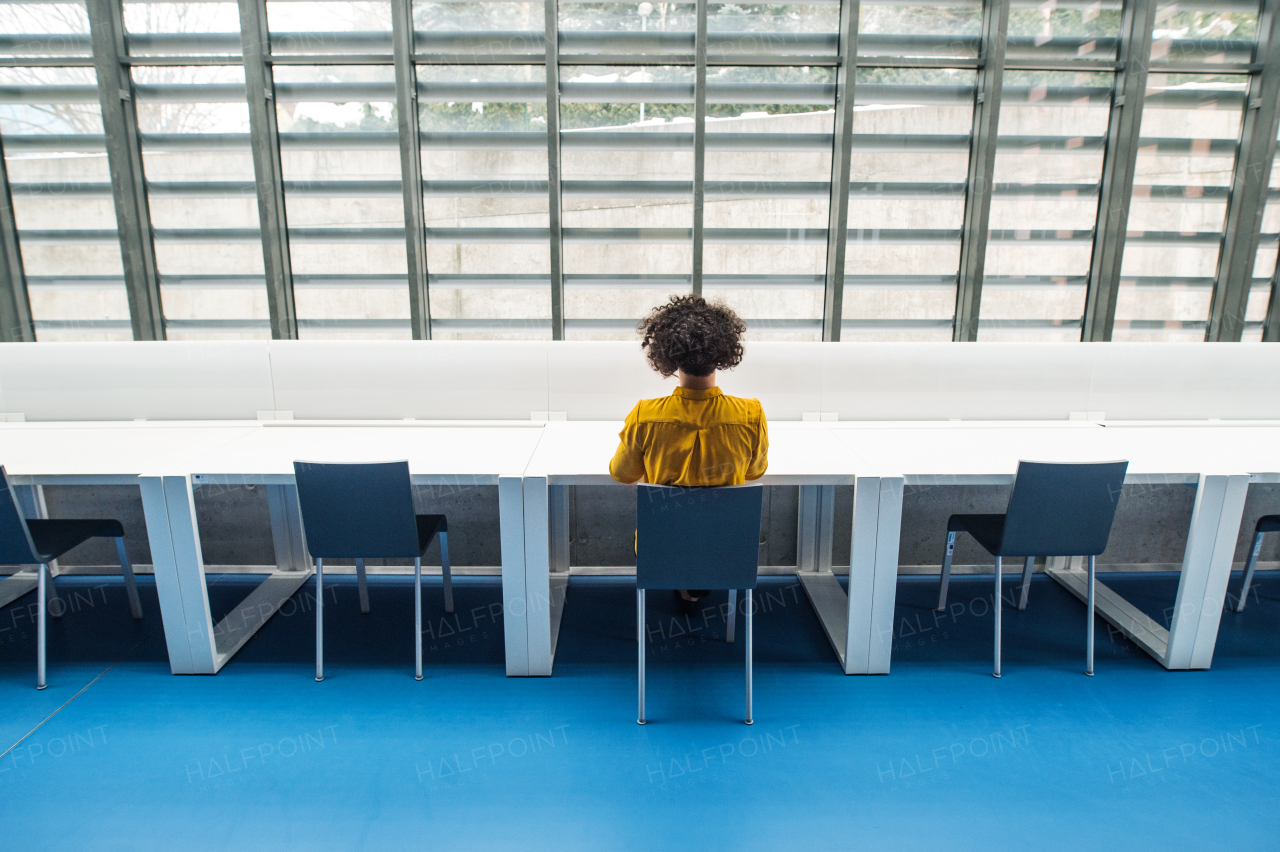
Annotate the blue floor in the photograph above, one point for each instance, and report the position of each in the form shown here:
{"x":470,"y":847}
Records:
{"x":120,"y":754}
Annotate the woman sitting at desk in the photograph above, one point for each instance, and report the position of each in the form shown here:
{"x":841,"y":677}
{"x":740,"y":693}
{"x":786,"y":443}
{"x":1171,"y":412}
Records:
{"x":698,"y":436}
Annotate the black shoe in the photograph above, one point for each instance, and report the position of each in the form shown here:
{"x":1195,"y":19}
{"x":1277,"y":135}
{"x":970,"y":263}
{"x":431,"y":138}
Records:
{"x":685,"y":607}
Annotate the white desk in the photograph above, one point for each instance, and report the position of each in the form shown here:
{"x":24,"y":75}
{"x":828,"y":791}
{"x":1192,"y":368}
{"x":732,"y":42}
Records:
{"x":578,"y":453}
{"x":1218,"y":461}
{"x":437,"y":454}
{"x":39,"y":454}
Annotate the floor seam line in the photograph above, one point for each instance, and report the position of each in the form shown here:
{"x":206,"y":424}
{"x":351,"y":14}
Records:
{"x":64,"y":704}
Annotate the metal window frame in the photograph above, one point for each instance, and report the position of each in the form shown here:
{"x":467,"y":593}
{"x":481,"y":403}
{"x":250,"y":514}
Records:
{"x":555,"y":201}
{"x":840,"y":50}
{"x":1119,"y":161}
{"x":1271,"y":327}
{"x":1249,"y":185}
{"x":982,"y":161}
{"x":124,"y":161}
{"x":264,"y":138}
{"x":841,"y":163}
{"x":415,"y":220}
{"x":16,"y":325}
{"x":699,"y":144}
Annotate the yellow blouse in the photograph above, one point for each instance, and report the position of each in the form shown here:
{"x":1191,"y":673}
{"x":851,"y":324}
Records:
{"x":693,"y":438}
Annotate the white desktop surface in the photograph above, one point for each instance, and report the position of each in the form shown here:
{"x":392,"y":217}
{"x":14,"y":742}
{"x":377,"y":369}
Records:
{"x":465,"y":454}
{"x":928,"y":455}
{"x":800,"y":453}
{"x":107,"y":453}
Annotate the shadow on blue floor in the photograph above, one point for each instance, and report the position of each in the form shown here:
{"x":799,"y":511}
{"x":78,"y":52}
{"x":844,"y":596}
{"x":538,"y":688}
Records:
{"x":937,"y":755}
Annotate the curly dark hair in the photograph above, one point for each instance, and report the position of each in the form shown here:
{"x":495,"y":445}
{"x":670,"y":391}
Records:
{"x":691,"y":334}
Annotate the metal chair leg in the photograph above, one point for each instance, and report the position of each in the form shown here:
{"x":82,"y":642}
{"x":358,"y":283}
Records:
{"x":1088,"y":663}
{"x":1027,"y":569}
{"x":130,"y":583}
{"x":1248,"y":571}
{"x":640,"y":720}
{"x":319,"y":619}
{"x":41,"y":640}
{"x":363,"y":584}
{"x":748,"y":602}
{"x":53,"y":603}
{"x":997,"y":608}
{"x":946,"y":572}
{"x":417,"y":618}
{"x":445,"y":572}
{"x":733,"y":615}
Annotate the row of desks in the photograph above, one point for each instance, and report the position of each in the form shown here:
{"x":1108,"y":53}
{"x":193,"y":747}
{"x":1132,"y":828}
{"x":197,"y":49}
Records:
{"x":533,"y":463}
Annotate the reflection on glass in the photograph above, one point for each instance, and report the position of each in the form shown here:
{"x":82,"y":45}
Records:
{"x":1186,"y":154}
{"x":56,"y":159}
{"x":1043,"y":205}
{"x":627,"y":166}
{"x":942,"y":28}
{"x":44,"y":29}
{"x":906,"y":202}
{"x":330,"y":26}
{"x":203,"y":200}
{"x":484,"y":171}
{"x":206,"y":28}
{"x":768,"y":190}
{"x":341,"y":163}
{"x":491,"y":28}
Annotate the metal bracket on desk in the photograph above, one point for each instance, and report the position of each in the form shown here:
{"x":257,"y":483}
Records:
{"x":1189,"y":641}
{"x":196,"y":645}
{"x":859,"y":624}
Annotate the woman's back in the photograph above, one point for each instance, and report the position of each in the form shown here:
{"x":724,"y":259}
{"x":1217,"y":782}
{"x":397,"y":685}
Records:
{"x":693,"y":438}
{"x":698,"y":436}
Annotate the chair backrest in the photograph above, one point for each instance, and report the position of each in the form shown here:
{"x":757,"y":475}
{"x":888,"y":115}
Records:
{"x":1062,"y":509}
{"x":16,"y":547}
{"x":357,"y":511}
{"x":697,"y":538}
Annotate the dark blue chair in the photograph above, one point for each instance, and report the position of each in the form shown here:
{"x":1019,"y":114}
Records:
{"x":1266,"y":524}
{"x":39,"y":542}
{"x":1056,"y":509}
{"x":365,"y":511}
{"x":697,"y":538}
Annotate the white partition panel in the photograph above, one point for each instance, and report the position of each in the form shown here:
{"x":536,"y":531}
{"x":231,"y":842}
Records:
{"x":166,"y":380}
{"x":785,"y":377}
{"x":1194,"y":381}
{"x":600,"y":379}
{"x":394,"y":379}
{"x":966,"y":381}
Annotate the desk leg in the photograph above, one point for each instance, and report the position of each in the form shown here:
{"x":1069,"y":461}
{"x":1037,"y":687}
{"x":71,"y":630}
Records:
{"x":515,"y":627}
{"x":196,"y":645}
{"x":1189,"y":641}
{"x":537,"y":573}
{"x":31,"y":499}
{"x":169,"y":508}
{"x":859,"y":624}
{"x":873,"y":574}
{"x":1206,"y":568}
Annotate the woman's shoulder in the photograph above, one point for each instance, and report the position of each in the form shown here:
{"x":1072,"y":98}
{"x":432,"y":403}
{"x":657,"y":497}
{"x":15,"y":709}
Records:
{"x":748,"y":406}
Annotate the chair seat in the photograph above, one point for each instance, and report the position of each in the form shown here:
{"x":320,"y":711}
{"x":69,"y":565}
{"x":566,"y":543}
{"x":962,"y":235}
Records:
{"x":55,"y":537}
{"x":987,"y":529}
{"x":428,"y":527}
{"x":1269,"y":523}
